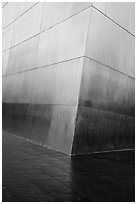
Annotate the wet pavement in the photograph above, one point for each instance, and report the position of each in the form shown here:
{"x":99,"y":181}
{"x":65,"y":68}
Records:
{"x":37,"y":174}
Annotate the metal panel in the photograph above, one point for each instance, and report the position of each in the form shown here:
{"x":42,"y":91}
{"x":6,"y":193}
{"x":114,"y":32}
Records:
{"x":61,"y":131}
{"x":121,"y":12}
{"x":5,"y":60}
{"x":29,"y":5}
{"x":13,"y":10}
{"x":110,"y":44}
{"x":55,"y":12}
{"x":4,"y":3}
{"x":98,"y":131}
{"x":4,"y":79}
{"x":46,"y":125}
{"x":13,"y":88}
{"x":65,"y":41}
{"x":131,"y":24}
{"x":7,"y":35}
{"x":105,"y":115}
{"x":28,"y":25}
{"x":22,"y":57}
{"x":19,"y":9}
{"x":8,"y":13}
{"x":106,"y":89}
{"x":55,"y":84}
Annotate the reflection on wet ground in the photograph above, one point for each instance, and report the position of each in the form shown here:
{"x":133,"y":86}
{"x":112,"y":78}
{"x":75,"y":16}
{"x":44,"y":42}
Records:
{"x":33,"y":173}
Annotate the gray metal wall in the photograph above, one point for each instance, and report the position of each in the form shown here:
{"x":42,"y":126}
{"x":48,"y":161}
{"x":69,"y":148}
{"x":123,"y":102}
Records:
{"x":43,"y":48}
{"x":106,"y":110}
{"x":67,"y":63}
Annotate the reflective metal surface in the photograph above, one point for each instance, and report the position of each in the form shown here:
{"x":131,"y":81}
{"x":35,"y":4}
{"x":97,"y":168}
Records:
{"x":65,"y":41}
{"x":26,"y":96}
{"x":28,"y":25}
{"x":105,"y":116}
{"x":98,"y":131}
{"x":110,"y":44}
{"x":58,"y":84}
{"x":55,"y":12}
{"x":45,"y":78}
{"x":54,"y":84}
{"x":29,"y":5}
{"x":46,"y":125}
{"x":121,"y":12}
{"x":7,"y":16}
{"x":61,"y":131}
{"x":5,"y":61}
{"x":23,"y":56}
{"x":4,"y":3}
{"x":7,"y":37}
{"x":18,"y":9}
{"x":106,"y":89}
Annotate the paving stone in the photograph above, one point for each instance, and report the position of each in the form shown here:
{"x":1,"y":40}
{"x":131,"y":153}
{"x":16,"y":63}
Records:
{"x":32,"y":173}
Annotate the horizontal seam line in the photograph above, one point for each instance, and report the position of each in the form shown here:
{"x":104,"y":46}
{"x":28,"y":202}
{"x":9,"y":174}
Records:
{"x":48,"y":104}
{"x":107,"y":151}
{"x":60,"y":23}
{"x":44,"y":66}
{"x":21,"y":42}
{"x":109,"y":67}
{"x":113,"y":21}
{"x":27,"y":70}
{"x":101,"y":110}
{"x":20,"y":16}
{"x":80,"y":11}
{"x":47,"y":29}
{"x":5,"y":5}
{"x":59,"y":104}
